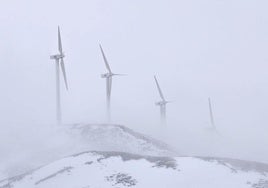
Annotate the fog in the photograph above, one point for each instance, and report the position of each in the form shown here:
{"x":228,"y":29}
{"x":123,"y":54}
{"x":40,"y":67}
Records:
{"x":197,"y":49}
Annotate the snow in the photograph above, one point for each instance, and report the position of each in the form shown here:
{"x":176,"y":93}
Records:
{"x":120,"y":157}
{"x":110,"y":137}
{"x":69,"y":139}
{"x":117,"y":169}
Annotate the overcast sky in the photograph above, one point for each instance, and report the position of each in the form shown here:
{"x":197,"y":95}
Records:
{"x":197,"y":49}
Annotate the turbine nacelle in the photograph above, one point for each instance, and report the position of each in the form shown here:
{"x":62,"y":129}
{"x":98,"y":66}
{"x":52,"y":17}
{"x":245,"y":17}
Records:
{"x":161,"y":103}
{"x":57,"y":56}
{"x":108,"y":75}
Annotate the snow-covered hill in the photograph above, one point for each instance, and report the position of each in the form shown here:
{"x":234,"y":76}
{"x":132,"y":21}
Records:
{"x":110,"y":137}
{"x":69,"y":139}
{"x":116,"y":169}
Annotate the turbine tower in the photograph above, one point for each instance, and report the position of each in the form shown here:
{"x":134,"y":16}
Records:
{"x":211,"y":115}
{"x":162,"y":103}
{"x":108,"y":76}
{"x":59,"y":64}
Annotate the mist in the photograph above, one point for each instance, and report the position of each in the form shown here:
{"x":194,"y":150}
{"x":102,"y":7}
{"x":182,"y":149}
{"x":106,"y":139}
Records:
{"x":197,"y":49}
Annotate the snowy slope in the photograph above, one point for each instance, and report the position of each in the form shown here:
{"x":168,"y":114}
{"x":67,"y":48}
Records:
{"x":116,"y":169}
{"x":110,"y":137}
{"x":69,"y":139}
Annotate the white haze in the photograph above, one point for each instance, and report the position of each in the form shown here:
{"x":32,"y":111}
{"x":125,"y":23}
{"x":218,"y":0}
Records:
{"x":197,"y":49}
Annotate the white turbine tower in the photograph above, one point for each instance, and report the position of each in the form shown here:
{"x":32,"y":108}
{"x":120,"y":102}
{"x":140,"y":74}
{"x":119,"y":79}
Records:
{"x":59,"y":63}
{"x":108,"y":76}
{"x":162,"y":103}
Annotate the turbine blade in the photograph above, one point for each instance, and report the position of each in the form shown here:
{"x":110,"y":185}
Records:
{"x":211,"y":113}
{"x":64,"y":73}
{"x":105,"y":60}
{"x":110,"y":85}
{"x":108,"y":88}
{"x":59,"y":41}
{"x":159,"y":89}
{"x":164,"y":111}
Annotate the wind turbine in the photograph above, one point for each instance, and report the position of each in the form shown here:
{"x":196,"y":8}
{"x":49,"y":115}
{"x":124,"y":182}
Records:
{"x":108,"y":76}
{"x":211,"y":115}
{"x":59,"y":64}
{"x":162,"y":103}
